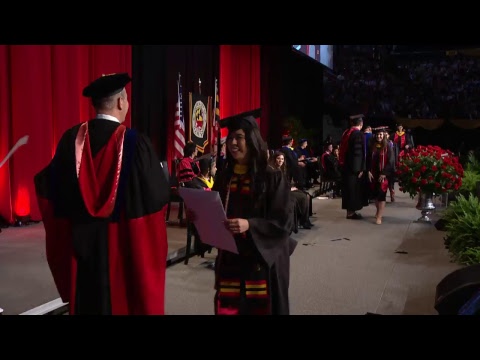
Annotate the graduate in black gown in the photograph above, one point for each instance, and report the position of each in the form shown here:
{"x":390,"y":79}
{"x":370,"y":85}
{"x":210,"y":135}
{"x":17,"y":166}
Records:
{"x":102,"y":198}
{"x":257,"y":202}
{"x":380,"y":167}
{"x":352,"y":162}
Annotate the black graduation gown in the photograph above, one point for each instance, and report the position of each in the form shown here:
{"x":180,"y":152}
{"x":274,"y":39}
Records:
{"x":397,"y":144}
{"x":199,"y":246}
{"x":352,"y":189}
{"x":332,"y":171}
{"x":270,"y":218}
{"x":113,"y":264}
{"x":373,"y":165}
{"x":294,"y":171}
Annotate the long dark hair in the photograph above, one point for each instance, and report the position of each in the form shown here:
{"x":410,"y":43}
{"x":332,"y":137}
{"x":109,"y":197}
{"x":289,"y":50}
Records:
{"x":373,"y":142}
{"x":257,"y":153}
{"x":273,"y":161}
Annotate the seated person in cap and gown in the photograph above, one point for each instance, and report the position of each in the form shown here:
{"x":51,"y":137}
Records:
{"x":380,"y":165}
{"x":331,"y":170}
{"x":257,"y":204}
{"x":203,"y":181}
{"x":352,"y":163}
{"x":101,"y":199}
{"x":187,"y":168}
{"x":296,"y":168}
{"x":311,"y":162}
{"x":301,"y":200}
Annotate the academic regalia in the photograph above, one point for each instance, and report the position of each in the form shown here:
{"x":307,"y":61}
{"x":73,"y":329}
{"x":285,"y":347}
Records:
{"x":400,"y":140}
{"x":294,"y":171}
{"x":256,"y":280}
{"x":264,"y":250}
{"x":291,"y":159}
{"x":380,"y":161}
{"x":330,"y":166}
{"x":201,"y":183}
{"x":301,"y":201}
{"x":332,"y":171}
{"x":352,"y":162}
{"x":102,"y":198}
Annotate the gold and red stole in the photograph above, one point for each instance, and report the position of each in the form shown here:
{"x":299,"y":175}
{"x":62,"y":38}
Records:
{"x":241,"y":283}
{"x":402,"y":137}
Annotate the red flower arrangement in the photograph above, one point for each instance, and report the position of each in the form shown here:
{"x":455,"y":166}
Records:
{"x":428,"y":169}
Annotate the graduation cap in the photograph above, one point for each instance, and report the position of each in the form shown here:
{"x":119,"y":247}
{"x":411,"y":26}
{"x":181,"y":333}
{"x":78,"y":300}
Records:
{"x":106,"y":85}
{"x":355,"y":119}
{"x":379,"y":129}
{"x":205,"y":162}
{"x":358,"y":116}
{"x":286,"y":138}
{"x":238,"y":121}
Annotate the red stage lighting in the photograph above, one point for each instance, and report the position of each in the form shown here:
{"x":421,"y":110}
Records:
{"x":22,"y":207}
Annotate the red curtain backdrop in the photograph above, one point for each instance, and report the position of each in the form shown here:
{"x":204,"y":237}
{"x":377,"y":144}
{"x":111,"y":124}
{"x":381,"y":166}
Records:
{"x":41,"y":96}
{"x":239,"y":80}
{"x":239,"y":86}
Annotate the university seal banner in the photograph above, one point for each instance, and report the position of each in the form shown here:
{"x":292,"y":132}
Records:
{"x":199,"y":122}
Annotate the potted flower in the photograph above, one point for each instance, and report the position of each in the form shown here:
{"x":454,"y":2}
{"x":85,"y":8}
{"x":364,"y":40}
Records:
{"x":428,"y":171}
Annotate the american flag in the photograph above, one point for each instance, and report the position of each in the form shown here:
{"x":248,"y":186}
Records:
{"x":179,"y":124}
{"x":216,"y":118}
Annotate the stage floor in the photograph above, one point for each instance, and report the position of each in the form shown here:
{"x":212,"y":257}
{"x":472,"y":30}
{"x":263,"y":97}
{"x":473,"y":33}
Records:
{"x":388,"y":269}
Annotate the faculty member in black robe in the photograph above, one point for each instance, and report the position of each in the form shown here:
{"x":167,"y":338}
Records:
{"x":102,"y":199}
{"x":352,"y":163}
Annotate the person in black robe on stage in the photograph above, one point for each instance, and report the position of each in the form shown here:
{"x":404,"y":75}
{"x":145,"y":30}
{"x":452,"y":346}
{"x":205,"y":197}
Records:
{"x":380,"y":166}
{"x":402,"y":141}
{"x":259,"y":212}
{"x":296,"y":168}
{"x":352,"y":162}
{"x":331,"y":170}
{"x":301,"y":200}
{"x":102,"y":199}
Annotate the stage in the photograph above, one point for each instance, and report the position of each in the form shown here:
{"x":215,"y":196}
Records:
{"x":340,"y":266}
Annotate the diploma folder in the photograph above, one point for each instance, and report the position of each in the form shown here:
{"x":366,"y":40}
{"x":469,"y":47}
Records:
{"x":210,"y":218}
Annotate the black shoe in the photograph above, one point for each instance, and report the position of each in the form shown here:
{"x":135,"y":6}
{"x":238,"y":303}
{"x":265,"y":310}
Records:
{"x":306,"y":226}
{"x":355,"y":216}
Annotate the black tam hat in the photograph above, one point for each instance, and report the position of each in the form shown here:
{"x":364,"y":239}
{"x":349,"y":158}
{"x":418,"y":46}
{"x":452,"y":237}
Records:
{"x":356,"y":119}
{"x":243,"y":120}
{"x":107,"y":85}
{"x":358,"y":116}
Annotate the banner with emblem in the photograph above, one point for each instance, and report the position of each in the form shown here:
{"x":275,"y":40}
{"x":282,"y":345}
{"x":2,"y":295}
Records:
{"x":199,"y":123}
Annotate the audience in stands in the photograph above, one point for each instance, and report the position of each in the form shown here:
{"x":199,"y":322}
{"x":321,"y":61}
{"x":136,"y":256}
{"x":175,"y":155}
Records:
{"x":418,"y":86}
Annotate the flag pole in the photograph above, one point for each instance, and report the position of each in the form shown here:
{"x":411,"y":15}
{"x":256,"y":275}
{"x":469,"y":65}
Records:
{"x":178,"y":86}
{"x":214,"y":120}
{"x":219,"y":130}
{"x":178,"y":97}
